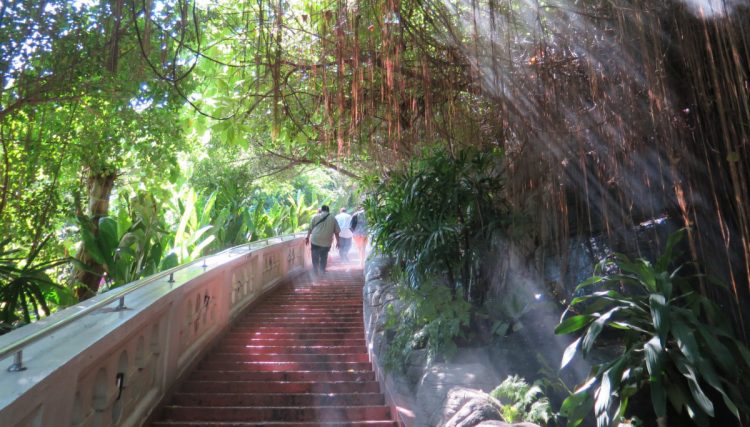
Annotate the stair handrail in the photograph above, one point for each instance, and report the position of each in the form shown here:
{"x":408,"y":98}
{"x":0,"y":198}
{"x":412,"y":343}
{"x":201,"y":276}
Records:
{"x":16,"y":348}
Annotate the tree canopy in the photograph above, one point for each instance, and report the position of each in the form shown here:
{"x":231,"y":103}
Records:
{"x":609,"y":112}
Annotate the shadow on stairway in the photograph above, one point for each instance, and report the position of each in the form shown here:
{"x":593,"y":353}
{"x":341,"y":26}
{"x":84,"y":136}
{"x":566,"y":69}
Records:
{"x":298,"y":358}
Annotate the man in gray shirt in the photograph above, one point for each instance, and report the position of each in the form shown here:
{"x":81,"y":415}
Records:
{"x":320,"y":236}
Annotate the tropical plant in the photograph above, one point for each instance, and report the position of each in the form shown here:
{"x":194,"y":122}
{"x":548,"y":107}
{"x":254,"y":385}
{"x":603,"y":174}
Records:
{"x":194,"y":230}
{"x":429,"y":319}
{"x":299,"y":211}
{"x":26,"y":288}
{"x":520,"y":401}
{"x":130,"y":245}
{"x":436,"y":216}
{"x":676,"y":343}
{"x":144,"y":242}
{"x":504,"y":313}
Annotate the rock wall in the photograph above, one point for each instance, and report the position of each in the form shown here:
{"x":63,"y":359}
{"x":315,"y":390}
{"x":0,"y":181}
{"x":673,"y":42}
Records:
{"x":446,"y":394}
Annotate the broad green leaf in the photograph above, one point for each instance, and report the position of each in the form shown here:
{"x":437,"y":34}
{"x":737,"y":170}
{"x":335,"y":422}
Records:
{"x":124,"y":251}
{"x":169,"y":261}
{"x":195,"y":253}
{"x":654,"y":357}
{"x":590,"y":281}
{"x":572,"y":324}
{"x":730,"y":405}
{"x":659,"y":315}
{"x":196,"y":236}
{"x":720,"y":352}
{"x":688,"y":371}
{"x":709,"y":374}
{"x":90,"y":245}
{"x":617,"y":419}
{"x":686,"y":340}
{"x":677,"y":395}
{"x":569,"y":353}
{"x":664,"y":285}
{"x":641,"y":269}
{"x":601,"y":298}
{"x":610,"y":381}
{"x":108,"y":235}
{"x":658,"y":396}
{"x":667,"y":256}
{"x":595,"y":328}
{"x":128,"y":239}
{"x":576,"y":406}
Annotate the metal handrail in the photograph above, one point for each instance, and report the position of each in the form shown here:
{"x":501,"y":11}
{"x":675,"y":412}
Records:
{"x":117,"y":294}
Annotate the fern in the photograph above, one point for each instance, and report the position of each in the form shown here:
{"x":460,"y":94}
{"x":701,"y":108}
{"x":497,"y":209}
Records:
{"x":520,"y":401}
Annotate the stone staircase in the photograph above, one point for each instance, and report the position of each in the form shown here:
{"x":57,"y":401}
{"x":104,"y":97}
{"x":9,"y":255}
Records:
{"x":296,"y":359}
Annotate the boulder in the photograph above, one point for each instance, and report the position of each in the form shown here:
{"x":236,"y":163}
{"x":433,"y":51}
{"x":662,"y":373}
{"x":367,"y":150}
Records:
{"x":441,"y":378}
{"x":464,"y":407}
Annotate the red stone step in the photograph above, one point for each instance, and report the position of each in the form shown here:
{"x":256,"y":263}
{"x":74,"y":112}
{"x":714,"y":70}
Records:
{"x":328,"y":309}
{"x":232,"y":340}
{"x":301,"y":324}
{"x":309,"y":413}
{"x":193,"y":386}
{"x":283,"y":358}
{"x":305,"y":317}
{"x":303,"y":329}
{"x":203,"y":375}
{"x":297,"y":349}
{"x":300,"y":306}
{"x":343,"y":296}
{"x":303,"y":306}
{"x":284,"y":366}
{"x":302,"y":336}
{"x":278,"y":399}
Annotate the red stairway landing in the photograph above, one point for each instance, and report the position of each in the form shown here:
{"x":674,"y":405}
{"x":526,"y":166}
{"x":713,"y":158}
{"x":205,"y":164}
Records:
{"x":296,"y":359}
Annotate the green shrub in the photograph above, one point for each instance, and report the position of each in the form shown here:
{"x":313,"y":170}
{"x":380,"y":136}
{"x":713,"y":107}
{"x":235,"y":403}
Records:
{"x":25,"y":287}
{"x":436,"y":217}
{"x":520,"y":401}
{"x":431,"y":319}
{"x":677,"y":343}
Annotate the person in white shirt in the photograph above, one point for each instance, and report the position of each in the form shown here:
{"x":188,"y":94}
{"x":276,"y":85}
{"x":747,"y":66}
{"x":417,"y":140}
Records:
{"x":345,"y":235}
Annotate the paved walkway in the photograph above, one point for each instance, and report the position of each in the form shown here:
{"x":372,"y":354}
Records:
{"x":296,"y":359}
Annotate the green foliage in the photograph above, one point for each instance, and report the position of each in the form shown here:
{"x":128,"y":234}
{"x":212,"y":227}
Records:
{"x":520,"y":401}
{"x":436,"y":215}
{"x":26,"y":288}
{"x":505,"y":312}
{"x":131,"y":245}
{"x":194,"y":230}
{"x":677,"y":343}
{"x":430,"y":319}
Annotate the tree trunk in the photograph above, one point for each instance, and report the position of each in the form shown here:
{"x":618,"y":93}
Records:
{"x":99,"y":190}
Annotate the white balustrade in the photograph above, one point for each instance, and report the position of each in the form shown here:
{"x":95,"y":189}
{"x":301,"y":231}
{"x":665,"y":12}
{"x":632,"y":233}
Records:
{"x":113,"y":367}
